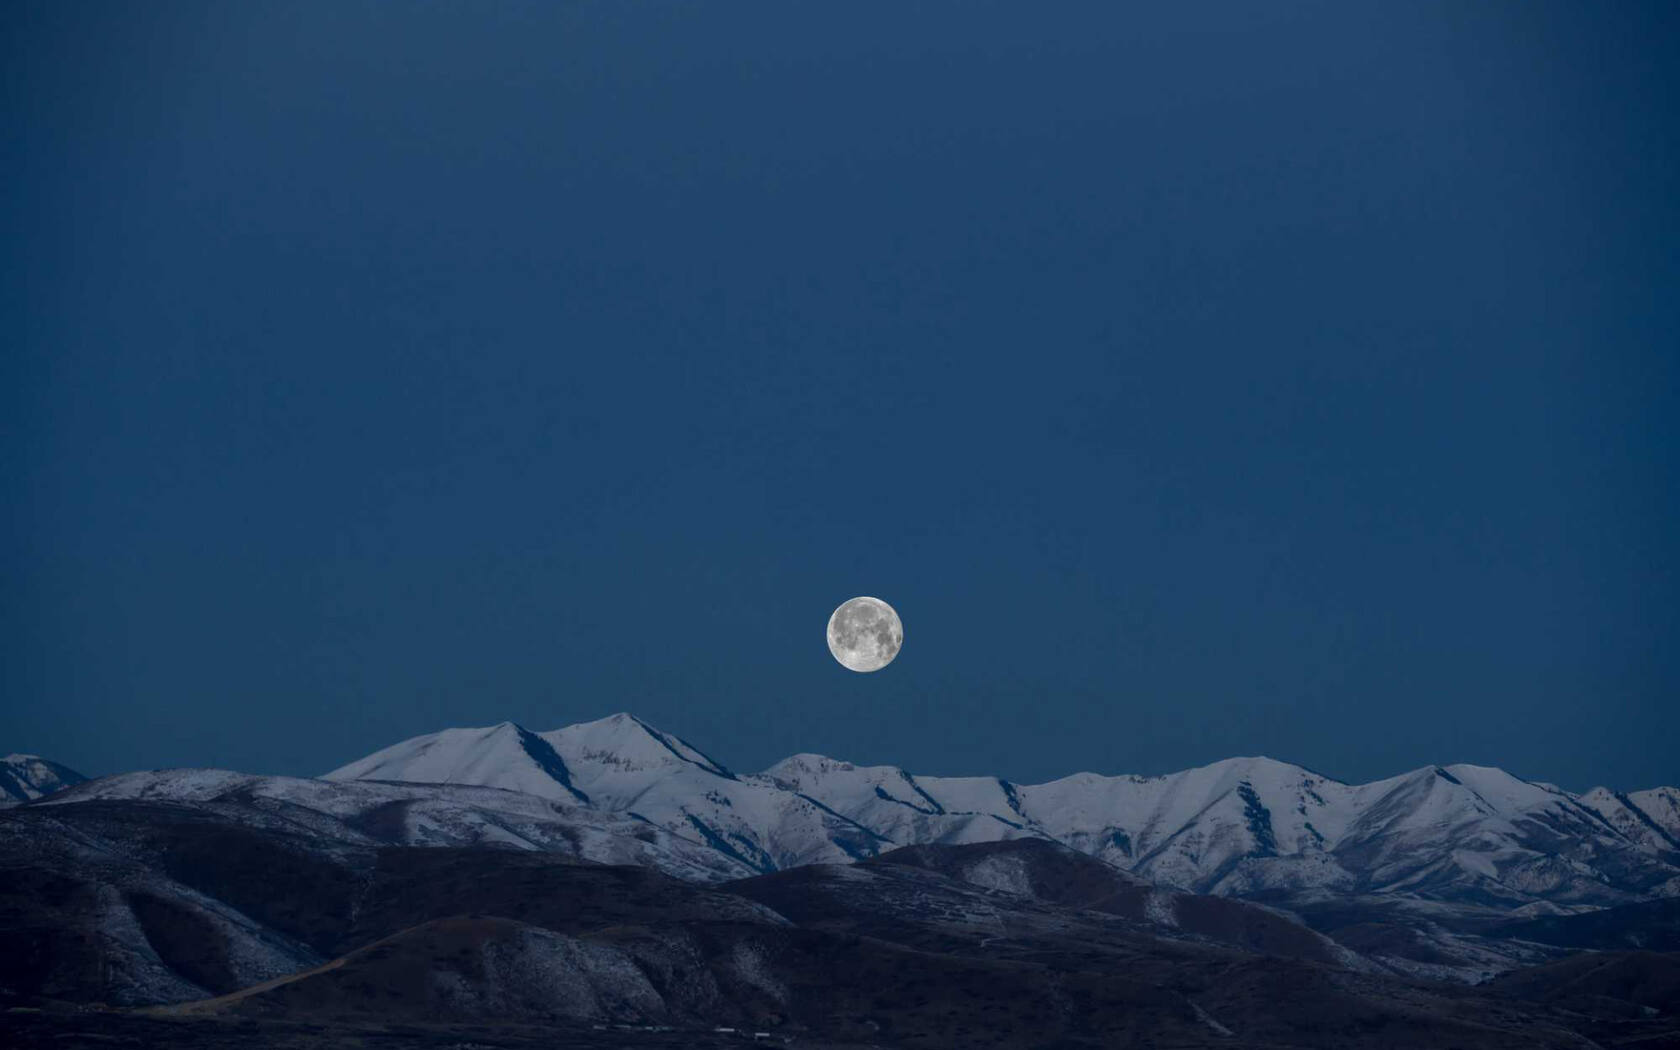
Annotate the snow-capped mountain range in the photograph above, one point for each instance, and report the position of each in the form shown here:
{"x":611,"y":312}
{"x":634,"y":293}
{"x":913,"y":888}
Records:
{"x":27,"y":777}
{"x":187,"y":884}
{"x":1252,"y":827}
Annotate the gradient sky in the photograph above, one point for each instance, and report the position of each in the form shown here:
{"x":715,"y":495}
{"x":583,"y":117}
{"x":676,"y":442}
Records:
{"x":1196,"y":380}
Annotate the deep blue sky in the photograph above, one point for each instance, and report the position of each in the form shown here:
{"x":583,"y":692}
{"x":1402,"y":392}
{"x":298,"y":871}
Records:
{"x":1196,"y":380}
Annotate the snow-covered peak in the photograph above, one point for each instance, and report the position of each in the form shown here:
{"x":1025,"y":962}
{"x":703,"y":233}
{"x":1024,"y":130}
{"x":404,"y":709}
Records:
{"x":621,"y":765}
{"x":1502,"y":790}
{"x":878,"y":797}
{"x":804,"y":764}
{"x":796,"y":771}
{"x":170,"y":785}
{"x":631,"y":744}
{"x":1651,"y":818}
{"x":505,"y":755}
{"x":27,"y":777}
{"x":1662,"y":805}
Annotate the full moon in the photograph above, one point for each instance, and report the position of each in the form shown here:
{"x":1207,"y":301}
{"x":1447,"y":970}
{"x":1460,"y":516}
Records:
{"x":864,"y":634}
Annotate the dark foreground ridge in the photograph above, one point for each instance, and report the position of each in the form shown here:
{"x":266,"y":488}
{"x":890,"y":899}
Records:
{"x":252,"y":923}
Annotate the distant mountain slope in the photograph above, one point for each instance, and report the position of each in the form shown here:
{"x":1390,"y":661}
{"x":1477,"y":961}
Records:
{"x":1647,"y":925}
{"x":376,"y":813}
{"x":1471,"y":835}
{"x":1062,"y":876}
{"x":27,"y":777}
{"x":985,"y":887}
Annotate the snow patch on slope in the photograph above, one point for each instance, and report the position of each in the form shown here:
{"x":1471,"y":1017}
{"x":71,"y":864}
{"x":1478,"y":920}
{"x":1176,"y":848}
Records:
{"x":24,"y":778}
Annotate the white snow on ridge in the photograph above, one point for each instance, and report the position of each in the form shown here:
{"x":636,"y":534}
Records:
{"x":1236,"y":826}
{"x":620,"y":790}
{"x":505,"y":756}
{"x":616,"y":760}
{"x":1662,"y":806}
{"x":1651,"y":818}
{"x":624,"y":767}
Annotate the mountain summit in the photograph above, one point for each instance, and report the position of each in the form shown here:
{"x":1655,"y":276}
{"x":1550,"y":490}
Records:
{"x":1240,"y":827}
{"x":623,"y":765}
{"x":24,"y":778}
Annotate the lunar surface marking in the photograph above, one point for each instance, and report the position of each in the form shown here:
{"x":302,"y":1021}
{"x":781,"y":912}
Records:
{"x":864,"y":634}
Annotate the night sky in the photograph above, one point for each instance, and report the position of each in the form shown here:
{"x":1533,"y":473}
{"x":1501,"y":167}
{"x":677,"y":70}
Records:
{"x":1195,"y":380}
